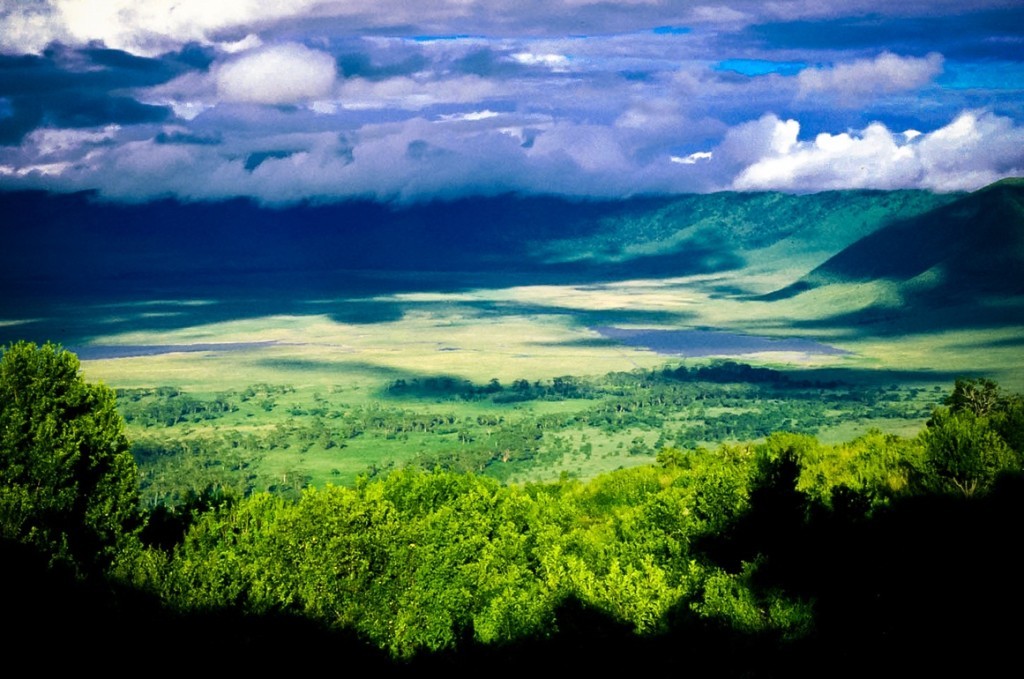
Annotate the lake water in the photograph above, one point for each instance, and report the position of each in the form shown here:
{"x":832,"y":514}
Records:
{"x":100,"y":352}
{"x":712,"y":342}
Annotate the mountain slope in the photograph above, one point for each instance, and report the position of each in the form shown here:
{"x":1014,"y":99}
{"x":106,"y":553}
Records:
{"x":972,"y":246}
{"x":959,"y":265}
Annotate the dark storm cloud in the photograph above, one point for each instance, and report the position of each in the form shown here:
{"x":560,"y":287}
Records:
{"x":362,"y":65}
{"x":487,"y":62}
{"x":67,"y":87}
{"x":992,"y":34}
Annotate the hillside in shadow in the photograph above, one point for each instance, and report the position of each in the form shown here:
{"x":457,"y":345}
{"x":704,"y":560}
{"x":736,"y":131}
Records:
{"x":953,"y":267}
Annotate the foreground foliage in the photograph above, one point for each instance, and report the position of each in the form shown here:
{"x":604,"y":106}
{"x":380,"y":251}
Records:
{"x":790,"y":540}
{"x":420,"y":561}
{"x":68,"y":483}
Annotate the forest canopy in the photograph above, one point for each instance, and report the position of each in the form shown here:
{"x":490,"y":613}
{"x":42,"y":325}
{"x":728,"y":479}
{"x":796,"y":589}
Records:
{"x":789,"y":541}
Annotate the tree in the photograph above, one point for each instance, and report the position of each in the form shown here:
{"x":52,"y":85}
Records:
{"x":68,"y":483}
{"x":962,"y":452}
{"x":980,"y":397}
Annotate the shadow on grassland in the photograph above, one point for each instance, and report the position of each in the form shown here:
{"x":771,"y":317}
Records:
{"x":81,"y":318}
{"x":1006,"y":342}
{"x":921,"y":318}
{"x":70,"y":262}
{"x":581,"y":316}
{"x":344,"y":369}
{"x":798,"y":383}
{"x":878,"y":376}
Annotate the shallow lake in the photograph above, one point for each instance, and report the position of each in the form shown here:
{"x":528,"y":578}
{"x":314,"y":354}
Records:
{"x":711,"y":342}
{"x":100,"y":352}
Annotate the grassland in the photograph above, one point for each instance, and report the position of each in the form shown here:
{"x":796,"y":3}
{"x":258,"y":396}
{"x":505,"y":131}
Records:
{"x":324,"y":368}
{"x":319,"y":384}
{"x":320,"y":322}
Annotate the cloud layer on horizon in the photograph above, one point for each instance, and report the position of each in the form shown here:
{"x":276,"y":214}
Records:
{"x":325,"y":100}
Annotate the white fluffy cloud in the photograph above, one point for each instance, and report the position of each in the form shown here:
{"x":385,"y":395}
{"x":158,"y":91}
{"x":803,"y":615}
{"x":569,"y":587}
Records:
{"x":884,"y":74}
{"x":975,"y":149}
{"x":281,"y":74}
{"x":49,"y":143}
{"x":693,"y":158}
{"x":558,"y":63}
{"x":149,"y":27}
{"x":762,"y":138}
{"x":289,"y":73}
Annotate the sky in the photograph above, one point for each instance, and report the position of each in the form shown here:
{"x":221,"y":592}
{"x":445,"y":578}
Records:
{"x":326,"y":100}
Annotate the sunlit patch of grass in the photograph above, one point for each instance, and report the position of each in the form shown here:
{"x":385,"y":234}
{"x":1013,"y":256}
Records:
{"x":14,"y":322}
{"x":991,"y":352}
{"x":541,"y":331}
{"x":607,"y":452}
{"x":847,"y":431}
{"x":315,"y":350}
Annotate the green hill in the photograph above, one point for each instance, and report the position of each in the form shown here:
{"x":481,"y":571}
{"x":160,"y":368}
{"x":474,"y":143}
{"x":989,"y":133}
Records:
{"x":959,"y":264}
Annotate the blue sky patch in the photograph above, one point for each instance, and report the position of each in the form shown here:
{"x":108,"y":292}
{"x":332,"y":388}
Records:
{"x":760,"y":66}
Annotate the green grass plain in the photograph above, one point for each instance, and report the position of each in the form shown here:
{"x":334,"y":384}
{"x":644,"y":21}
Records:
{"x":533,"y":333}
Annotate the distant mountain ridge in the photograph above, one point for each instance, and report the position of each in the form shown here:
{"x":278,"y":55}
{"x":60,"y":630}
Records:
{"x":930,"y":252}
{"x":956,"y":252}
{"x":68,"y":236}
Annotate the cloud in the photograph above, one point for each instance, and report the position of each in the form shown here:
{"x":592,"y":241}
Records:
{"x":752,"y":141}
{"x":973,"y":150}
{"x":188,"y":96}
{"x":156,"y":26}
{"x":559,"y":63}
{"x":693,"y":158}
{"x":148,"y":28}
{"x":54,"y":142}
{"x":326,"y":99}
{"x":360,"y":64}
{"x":885,"y":74}
{"x":424,"y":158}
{"x":77,"y":88}
{"x":281,"y":74}
{"x":249,"y":42}
{"x":650,"y":113}
{"x":471,"y":116}
{"x":974,"y":30}
{"x":413,"y":94}
{"x":51,"y":152}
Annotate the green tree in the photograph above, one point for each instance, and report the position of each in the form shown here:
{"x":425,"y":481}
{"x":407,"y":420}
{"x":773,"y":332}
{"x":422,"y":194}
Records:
{"x":68,"y":483}
{"x":962,"y":452}
{"x":980,"y":397}
{"x":1009,"y":422}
